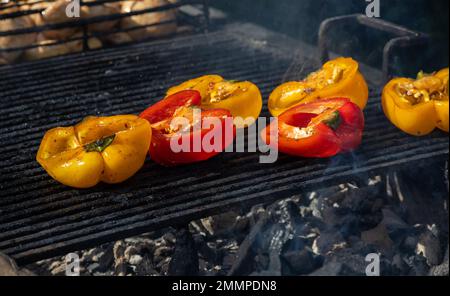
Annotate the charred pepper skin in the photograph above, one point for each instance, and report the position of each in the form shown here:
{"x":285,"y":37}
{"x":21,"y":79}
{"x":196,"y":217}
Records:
{"x":98,"y":149}
{"x":337,"y":78}
{"x":242,"y":99}
{"x":422,"y":115}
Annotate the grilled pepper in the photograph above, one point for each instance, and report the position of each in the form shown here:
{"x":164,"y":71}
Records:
{"x":178,"y":120}
{"x":418,"y":106}
{"x":242,"y":99}
{"x":319,"y":129}
{"x":337,"y":78}
{"x":107,"y":149}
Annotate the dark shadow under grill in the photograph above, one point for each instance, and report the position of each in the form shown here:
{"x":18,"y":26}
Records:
{"x":40,"y":218}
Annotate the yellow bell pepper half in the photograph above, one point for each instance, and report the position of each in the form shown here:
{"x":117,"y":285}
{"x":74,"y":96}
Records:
{"x":107,"y":149}
{"x":242,"y":99}
{"x":418,"y":106}
{"x":337,"y":78}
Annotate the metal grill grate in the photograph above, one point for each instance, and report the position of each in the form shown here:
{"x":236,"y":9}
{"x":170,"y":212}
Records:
{"x":40,"y":218}
{"x":82,"y":32}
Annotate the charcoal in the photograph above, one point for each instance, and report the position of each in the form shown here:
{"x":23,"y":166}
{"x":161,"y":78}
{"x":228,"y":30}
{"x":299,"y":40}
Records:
{"x":185,"y":257}
{"x":93,"y":267}
{"x":409,"y":244}
{"x":220,"y":224}
{"x":241,"y":226}
{"x":164,"y":266}
{"x":262,"y":261}
{"x":274,"y":265}
{"x":429,"y":246}
{"x":105,"y":259}
{"x":395,"y":225}
{"x":378,"y":237}
{"x":162,"y":252}
{"x":135,"y":259}
{"x":422,"y":195}
{"x":306,"y":211}
{"x":359,"y":246}
{"x":91,"y":255}
{"x":131,"y":251}
{"x":246,"y":253}
{"x":58,"y":270}
{"x":295,"y":243}
{"x":8,"y":267}
{"x":317,"y":207}
{"x":299,"y":262}
{"x":442,"y":269}
{"x":350,"y":225}
{"x":119,"y":250}
{"x":121,"y":268}
{"x":169,"y":238}
{"x":287,"y":217}
{"x":352,"y":264}
{"x":418,"y":265}
{"x":228,"y":261}
{"x":399,"y":265}
{"x":211,"y":254}
{"x":328,"y":241}
{"x":145,"y":267}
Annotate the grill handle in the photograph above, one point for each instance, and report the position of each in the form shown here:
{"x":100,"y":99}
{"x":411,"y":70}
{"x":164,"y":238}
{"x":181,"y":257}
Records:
{"x":405,"y":38}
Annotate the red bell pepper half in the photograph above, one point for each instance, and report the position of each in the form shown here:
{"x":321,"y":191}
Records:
{"x":182,"y":133}
{"x":319,"y":129}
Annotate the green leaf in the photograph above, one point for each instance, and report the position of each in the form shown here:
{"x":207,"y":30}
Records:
{"x":99,"y":145}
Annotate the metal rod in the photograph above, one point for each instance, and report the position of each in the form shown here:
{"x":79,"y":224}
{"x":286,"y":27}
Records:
{"x":97,"y":19}
{"x":404,"y":37}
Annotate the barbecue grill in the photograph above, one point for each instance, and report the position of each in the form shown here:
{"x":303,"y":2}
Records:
{"x":40,"y":218}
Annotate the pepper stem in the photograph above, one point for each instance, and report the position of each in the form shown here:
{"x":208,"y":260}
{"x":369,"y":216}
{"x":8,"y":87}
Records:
{"x":334,"y":121}
{"x":99,"y":145}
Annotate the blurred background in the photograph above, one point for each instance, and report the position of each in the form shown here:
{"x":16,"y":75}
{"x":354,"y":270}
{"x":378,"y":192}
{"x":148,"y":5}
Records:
{"x":301,"y":19}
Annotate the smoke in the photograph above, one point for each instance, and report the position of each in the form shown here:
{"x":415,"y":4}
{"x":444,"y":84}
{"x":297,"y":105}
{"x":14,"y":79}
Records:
{"x":301,"y":19}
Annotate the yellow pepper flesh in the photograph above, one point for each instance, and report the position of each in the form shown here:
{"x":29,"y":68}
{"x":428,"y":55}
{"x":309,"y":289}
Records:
{"x":242,"y":99}
{"x":337,"y":78}
{"x":418,"y":107}
{"x":442,"y":107}
{"x":107,"y":149}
